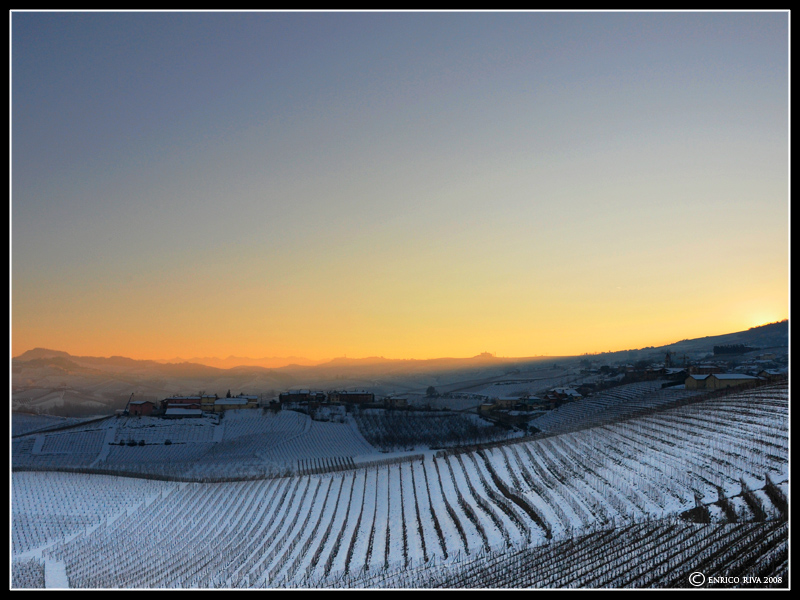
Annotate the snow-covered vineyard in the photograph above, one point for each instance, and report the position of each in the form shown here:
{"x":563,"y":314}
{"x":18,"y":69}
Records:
{"x":638,"y":503}
{"x":269,"y":444}
{"x":242,"y":444}
{"x":401,"y":430}
{"x":653,"y":554}
{"x":25,"y":423}
{"x":611,"y":405}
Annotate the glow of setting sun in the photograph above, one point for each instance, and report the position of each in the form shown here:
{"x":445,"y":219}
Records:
{"x":764,"y":318}
{"x":412,"y":186}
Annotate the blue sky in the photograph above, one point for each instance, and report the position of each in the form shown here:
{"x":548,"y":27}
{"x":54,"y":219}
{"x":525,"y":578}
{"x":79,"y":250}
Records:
{"x":491,"y":179}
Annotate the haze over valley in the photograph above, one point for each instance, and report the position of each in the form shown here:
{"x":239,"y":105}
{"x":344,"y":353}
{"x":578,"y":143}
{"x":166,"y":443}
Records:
{"x":55,"y":382}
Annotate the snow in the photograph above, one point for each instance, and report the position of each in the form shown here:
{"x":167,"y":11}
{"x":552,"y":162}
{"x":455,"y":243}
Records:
{"x":449,"y":490}
{"x":451,"y":536}
{"x":55,"y":574}
{"x":367,"y":519}
{"x":376,"y":558}
{"x":279,"y":531}
{"x":395,"y":518}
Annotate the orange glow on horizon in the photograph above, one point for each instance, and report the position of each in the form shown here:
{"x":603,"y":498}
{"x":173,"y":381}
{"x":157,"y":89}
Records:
{"x":555,"y":348}
{"x":535,"y":190}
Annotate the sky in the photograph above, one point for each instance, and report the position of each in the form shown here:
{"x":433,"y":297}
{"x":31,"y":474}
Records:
{"x":398,"y":184}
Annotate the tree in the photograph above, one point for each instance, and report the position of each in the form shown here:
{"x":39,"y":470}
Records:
{"x":431,"y":392}
{"x":228,"y":395}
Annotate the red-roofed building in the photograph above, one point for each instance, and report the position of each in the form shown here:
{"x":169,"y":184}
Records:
{"x":141,"y":408}
{"x":182,"y":402}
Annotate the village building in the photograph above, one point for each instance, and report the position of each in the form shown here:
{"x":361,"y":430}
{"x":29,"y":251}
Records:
{"x":193,"y":402}
{"x":695,"y":382}
{"x":297,"y":396}
{"x":566,"y":394}
{"x":182,"y":413}
{"x":141,"y":408}
{"x":294,"y":396}
{"x":506,"y":402}
{"x":351,"y":397}
{"x":395,"y":402}
{"x":674,"y":371}
{"x":207,"y":402}
{"x":717,"y":381}
{"x":771,"y":374}
{"x":223,"y":404}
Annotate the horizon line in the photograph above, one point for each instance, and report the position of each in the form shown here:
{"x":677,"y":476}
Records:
{"x":344,"y":356}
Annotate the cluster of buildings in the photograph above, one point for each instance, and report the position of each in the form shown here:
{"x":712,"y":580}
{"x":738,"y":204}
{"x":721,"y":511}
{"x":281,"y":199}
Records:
{"x":716,"y":381}
{"x":197,"y":406}
{"x":698,"y":376}
{"x":719,"y":372}
{"x":548,"y":401}
{"x":307,"y":396}
{"x":313,"y":400}
{"x":190,"y":406}
{"x":710,"y":374}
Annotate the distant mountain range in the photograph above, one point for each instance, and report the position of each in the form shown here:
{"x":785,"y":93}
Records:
{"x":217,"y":363}
{"x":56,"y":382}
{"x":764,"y":336}
{"x":273,"y":362}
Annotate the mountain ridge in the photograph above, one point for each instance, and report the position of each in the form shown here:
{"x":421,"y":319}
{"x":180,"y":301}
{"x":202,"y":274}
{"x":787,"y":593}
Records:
{"x":770,"y":334}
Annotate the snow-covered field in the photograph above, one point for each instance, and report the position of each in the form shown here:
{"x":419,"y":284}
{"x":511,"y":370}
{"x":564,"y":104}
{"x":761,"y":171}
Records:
{"x":407,"y":430}
{"x":610,"y":406}
{"x":22,"y":423}
{"x":241,"y":444}
{"x":430,"y":519}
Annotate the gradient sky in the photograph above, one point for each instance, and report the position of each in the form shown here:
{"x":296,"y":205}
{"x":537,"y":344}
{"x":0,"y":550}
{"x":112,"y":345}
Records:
{"x":409,"y":185}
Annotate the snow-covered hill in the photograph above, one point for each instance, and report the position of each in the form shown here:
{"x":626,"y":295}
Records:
{"x":420,"y":520}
